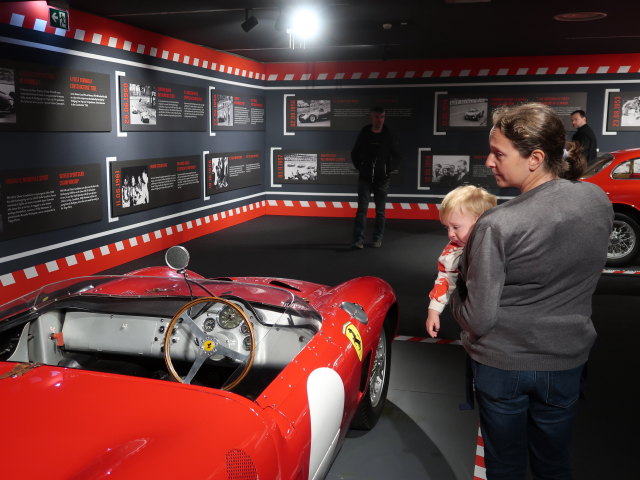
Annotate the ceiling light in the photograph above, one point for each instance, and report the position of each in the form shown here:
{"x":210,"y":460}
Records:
{"x":305,"y":23}
{"x":579,"y":16}
{"x":249,"y":21}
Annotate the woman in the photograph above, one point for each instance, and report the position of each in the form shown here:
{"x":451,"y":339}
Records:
{"x":526,"y":280}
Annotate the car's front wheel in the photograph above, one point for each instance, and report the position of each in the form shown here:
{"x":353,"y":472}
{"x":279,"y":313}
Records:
{"x":624,"y":241}
{"x":374,"y":398}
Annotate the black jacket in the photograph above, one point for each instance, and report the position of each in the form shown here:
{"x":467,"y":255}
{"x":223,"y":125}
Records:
{"x":375,"y":155}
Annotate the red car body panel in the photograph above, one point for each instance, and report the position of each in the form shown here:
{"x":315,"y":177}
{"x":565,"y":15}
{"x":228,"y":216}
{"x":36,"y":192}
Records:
{"x":66,"y":423}
{"x":625,"y":191}
{"x":618,"y":175}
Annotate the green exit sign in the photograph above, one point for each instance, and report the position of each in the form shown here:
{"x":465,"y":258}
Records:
{"x":59,"y":18}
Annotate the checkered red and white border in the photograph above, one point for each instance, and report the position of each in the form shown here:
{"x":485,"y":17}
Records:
{"x":90,"y":28}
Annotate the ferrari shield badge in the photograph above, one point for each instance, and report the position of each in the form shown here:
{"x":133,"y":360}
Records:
{"x":352,"y":333}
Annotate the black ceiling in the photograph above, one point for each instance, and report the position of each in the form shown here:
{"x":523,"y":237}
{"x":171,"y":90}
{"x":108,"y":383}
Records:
{"x":421,"y":29}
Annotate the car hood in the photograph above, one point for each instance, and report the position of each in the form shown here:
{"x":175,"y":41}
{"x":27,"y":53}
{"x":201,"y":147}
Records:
{"x":72,"y":424}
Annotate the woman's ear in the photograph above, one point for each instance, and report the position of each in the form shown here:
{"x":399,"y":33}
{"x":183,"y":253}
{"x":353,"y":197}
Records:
{"x":536,"y":160}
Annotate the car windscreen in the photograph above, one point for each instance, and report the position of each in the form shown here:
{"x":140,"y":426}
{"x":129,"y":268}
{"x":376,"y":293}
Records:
{"x":158,"y":295}
{"x":602,"y":162}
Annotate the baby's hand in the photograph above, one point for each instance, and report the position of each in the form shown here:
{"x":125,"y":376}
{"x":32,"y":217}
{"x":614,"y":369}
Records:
{"x":433,"y":323}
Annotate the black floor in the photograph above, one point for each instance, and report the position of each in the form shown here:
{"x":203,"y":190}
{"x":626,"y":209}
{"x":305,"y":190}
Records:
{"x":422,"y":433}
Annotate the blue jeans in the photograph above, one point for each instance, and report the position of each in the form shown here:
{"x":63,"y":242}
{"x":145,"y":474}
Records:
{"x":526,"y":413}
{"x":379,"y":189}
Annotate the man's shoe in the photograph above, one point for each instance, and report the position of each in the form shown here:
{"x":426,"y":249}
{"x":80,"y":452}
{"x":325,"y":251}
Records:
{"x":377,"y":244}
{"x":358,"y":244}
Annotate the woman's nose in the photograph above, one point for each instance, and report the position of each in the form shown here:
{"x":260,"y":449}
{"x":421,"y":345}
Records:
{"x":489,"y":163}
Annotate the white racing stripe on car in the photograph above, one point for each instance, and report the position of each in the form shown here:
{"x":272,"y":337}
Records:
{"x":325,"y":392}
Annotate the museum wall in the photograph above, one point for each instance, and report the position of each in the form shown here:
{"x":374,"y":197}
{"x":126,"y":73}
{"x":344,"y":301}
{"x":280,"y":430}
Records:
{"x":117,"y":142}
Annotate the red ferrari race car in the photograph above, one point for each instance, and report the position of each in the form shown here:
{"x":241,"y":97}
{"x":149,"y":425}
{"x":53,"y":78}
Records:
{"x":618,"y":174}
{"x":161,"y":373}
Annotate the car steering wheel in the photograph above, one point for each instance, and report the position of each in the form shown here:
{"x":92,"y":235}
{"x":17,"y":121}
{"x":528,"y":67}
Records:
{"x":207,"y":345}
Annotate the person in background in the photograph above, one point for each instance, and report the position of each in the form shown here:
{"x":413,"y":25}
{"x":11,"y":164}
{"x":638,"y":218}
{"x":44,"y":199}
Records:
{"x":459,"y":211}
{"x":375,"y":155}
{"x":524,"y":294}
{"x":584,"y":136}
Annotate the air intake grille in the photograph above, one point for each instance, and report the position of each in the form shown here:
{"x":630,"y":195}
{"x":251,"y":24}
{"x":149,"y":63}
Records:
{"x":240,"y":466}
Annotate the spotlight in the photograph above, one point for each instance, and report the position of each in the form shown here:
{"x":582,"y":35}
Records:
{"x":249,"y":21}
{"x":305,"y":23}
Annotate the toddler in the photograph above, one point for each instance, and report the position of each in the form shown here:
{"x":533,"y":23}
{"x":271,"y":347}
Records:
{"x":459,"y":211}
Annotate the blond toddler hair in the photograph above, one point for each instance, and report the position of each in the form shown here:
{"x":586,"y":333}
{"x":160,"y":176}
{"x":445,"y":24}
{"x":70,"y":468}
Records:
{"x":467,"y":199}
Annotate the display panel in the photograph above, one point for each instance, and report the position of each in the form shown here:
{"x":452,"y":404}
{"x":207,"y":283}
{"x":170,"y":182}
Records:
{"x":313,"y":167}
{"x":51,"y":99}
{"x":470,"y":112}
{"x":138,"y":185}
{"x":41,"y":199}
{"x":623,"y":112}
{"x":147,"y":105}
{"x":448,"y":171}
{"x":231,"y":111}
{"x":230,"y":171}
{"x":331,"y":112}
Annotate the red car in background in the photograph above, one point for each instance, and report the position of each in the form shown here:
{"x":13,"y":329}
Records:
{"x":161,"y":373}
{"x":618,"y":174}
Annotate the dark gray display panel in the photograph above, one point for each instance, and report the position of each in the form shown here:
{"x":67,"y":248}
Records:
{"x":230,"y":171}
{"x":138,"y":185}
{"x":313,"y":167}
{"x":623,"y":111}
{"x":148,"y":105}
{"x":332,"y":112}
{"x":231,"y":111}
{"x":471,"y":112}
{"x":447,"y":170}
{"x":51,"y":99}
{"x":38,"y":200}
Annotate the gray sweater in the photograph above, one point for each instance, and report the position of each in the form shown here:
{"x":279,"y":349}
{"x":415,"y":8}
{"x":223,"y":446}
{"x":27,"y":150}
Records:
{"x":527,"y":276}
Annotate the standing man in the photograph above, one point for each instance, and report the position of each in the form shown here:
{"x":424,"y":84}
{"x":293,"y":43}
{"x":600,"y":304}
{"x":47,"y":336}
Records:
{"x":584,"y":136}
{"x":375,"y":155}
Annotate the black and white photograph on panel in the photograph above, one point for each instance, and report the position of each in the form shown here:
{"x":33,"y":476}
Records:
{"x":468,"y":112}
{"x":143,"y":104}
{"x":447,"y":171}
{"x":135,"y":186}
{"x":224,"y":111}
{"x":313,"y":113}
{"x":301,"y":166}
{"x":220,"y":172}
{"x":7,"y":95}
{"x":631,"y":112}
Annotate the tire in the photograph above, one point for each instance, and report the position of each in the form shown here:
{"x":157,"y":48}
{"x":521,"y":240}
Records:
{"x":312,"y":118}
{"x":375,"y":396}
{"x":624,"y":241}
